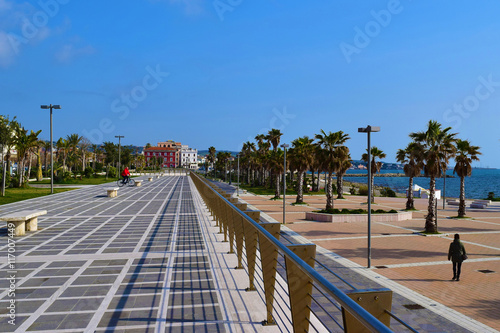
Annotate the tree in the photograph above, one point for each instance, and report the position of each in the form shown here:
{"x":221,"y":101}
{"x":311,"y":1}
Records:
{"x":328,"y":144}
{"x":375,"y":167}
{"x":62,"y":151}
{"x":274,"y":137}
{"x":24,"y":144}
{"x":465,"y":154}
{"x":301,"y":156}
{"x":412,"y":159}
{"x":111,"y":153}
{"x":438,"y":147}
{"x":211,"y":157}
{"x":46,"y":148}
{"x":275,"y":160}
{"x":343,"y":161}
{"x":7,"y":142}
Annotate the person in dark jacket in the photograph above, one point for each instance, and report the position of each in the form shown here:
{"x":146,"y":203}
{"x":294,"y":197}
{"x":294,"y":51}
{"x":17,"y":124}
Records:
{"x":456,"y":254}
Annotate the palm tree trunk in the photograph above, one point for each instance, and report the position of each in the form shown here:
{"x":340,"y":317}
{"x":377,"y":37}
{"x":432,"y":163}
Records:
{"x":313,"y":180}
{"x":340,"y":186}
{"x":300,"y":193}
{"x":372,"y":194}
{"x":277,"y":189}
{"x":461,"y":207}
{"x":39,"y":174}
{"x":409,"y":203}
{"x":430,"y":220}
{"x":329,"y":192}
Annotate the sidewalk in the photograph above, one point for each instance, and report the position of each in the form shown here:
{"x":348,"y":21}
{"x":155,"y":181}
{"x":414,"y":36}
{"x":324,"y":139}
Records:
{"x":148,"y":260}
{"x":412,"y":265}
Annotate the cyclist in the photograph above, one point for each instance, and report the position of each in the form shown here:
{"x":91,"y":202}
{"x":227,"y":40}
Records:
{"x":125,"y":175}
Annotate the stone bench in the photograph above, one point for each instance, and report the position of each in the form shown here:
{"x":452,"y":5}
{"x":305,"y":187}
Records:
{"x":25,"y":220}
{"x":112,"y":192}
{"x":453,"y":202}
{"x":138,"y":183}
{"x":150,"y":179}
{"x":478,"y":205}
{"x":484,"y":202}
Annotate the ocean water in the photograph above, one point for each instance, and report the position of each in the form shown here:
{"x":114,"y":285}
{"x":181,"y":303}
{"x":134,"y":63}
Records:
{"x":477,"y":186}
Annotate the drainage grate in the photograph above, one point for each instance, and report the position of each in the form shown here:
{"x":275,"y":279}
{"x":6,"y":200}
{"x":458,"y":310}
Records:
{"x":380,"y":266}
{"x":413,"y":306}
{"x":485,"y":271}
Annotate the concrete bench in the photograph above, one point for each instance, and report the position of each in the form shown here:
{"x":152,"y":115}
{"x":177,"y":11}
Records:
{"x":453,"y":202}
{"x":484,"y":202}
{"x":150,"y":179}
{"x":478,"y":205}
{"x":25,"y":220}
{"x":138,"y":183}
{"x":112,"y":192}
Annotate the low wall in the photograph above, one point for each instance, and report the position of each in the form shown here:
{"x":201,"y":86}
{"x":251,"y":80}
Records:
{"x":392,"y":217}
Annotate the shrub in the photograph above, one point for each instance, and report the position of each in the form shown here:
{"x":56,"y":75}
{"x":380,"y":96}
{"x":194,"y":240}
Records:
{"x":352,"y":190}
{"x":491,"y":195}
{"x":387,"y":192}
{"x":88,"y":172}
{"x":363,"y":190}
{"x":112,"y":172}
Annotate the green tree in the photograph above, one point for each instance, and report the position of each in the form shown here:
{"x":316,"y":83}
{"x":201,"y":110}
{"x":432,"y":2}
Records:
{"x":343,"y":163}
{"x":412,"y":159}
{"x":211,"y":158}
{"x":24,"y":144}
{"x":438,"y":147}
{"x":7,"y":142}
{"x":328,"y":156}
{"x":274,"y":137}
{"x":301,"y":156}
{"x":375,"y":167}
{"x":465,"y":154}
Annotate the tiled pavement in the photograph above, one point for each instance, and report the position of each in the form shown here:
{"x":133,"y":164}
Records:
{"x":413,"y":266}
{"x":146,"y":261}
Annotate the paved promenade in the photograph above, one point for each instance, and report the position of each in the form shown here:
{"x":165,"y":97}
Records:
{"x":148,"y":260}
{"x":412,"y":265}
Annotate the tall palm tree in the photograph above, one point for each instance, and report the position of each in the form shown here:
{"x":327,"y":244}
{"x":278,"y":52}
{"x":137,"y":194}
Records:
{"x":24,"y":143}
{"x":329,"y":143}
{"x":343,"y":164}
{"x":438,"y":147}
{"x":465,"y":154}
{"x":275,"y":162}
{"x":412,"y":159}
{"x":7,"y":140}
{"x":274,"y":137}
{"x":375,"y":167}
{"x":46,"y":148}
{"x":301,"y":155}
{"x":211,"y":157}
{"x":62,"y":148}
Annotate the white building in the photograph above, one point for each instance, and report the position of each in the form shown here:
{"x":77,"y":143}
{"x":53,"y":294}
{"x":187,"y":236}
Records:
{"x":189,"y":157}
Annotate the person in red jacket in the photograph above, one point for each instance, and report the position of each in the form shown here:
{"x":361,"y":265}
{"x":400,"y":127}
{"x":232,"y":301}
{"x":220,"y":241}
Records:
{"x":125,"y":175}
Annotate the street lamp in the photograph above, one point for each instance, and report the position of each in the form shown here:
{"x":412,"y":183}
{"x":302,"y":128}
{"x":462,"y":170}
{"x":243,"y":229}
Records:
{"x":285,"y":146}
{"x":119,"y":154}
{"x":50,"y":106}
{"x":368,"y":129}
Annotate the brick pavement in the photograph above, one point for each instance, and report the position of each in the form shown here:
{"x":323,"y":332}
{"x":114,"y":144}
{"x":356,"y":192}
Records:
{"x":416,"y":265}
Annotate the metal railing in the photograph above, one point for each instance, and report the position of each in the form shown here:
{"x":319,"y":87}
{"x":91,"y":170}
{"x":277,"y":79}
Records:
{"x":247,"y":235}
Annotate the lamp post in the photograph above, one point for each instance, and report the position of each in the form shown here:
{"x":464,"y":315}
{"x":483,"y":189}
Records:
{"x":285,"y":146}
{"x":119,"y":154}
{"x":368,"y":129}
{"x":238,"y":185}
{"x":50,"y":106}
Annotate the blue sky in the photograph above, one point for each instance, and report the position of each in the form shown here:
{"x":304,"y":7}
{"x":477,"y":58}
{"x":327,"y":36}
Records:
{"x":217,"y":73}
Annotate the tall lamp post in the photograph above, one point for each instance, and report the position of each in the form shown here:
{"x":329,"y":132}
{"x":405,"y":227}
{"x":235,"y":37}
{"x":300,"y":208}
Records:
{"x":119,"y":154}
{"x":50,"y":106}
{"x":285,"y":146}
{"x":368,"y":129}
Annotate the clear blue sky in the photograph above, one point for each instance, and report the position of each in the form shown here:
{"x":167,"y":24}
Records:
{"x":217,"y":73}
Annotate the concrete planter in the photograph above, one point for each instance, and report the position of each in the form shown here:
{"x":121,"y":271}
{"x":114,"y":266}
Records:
{"x":392,"y":217}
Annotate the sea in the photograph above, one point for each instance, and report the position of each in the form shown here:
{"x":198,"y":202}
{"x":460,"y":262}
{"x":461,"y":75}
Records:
{"x":477,"y":186}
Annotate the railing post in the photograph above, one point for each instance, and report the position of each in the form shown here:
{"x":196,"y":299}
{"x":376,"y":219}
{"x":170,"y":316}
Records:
{"x":300,"y":286}
{"x":238,"y":231}
{"x":251,"y":249}
{"x":375,"y":301}
{"x":269,"y":259}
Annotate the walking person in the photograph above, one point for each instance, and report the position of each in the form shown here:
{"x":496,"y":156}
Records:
{"x":457,"y":255}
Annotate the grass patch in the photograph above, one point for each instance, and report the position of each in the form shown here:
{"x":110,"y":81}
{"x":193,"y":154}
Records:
{"x":84,"y":181}
{"x":356,"y":211}
{"x":19,"y":194}
{"x":300,"y":204}
{"x":265,"y":191}
{"x":429,"y":233}
{"x":461,"y":217}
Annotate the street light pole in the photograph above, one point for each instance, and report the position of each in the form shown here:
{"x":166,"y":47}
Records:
{"x":368,"y":130}
{"x":285,"y":146}
{"x":119,"y":154}
{"x":50,"y":106}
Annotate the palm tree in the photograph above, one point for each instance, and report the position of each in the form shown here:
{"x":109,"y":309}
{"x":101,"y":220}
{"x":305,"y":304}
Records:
{"x":46,"y":148}
{"x":411,"y":158}
{"x":438,"y":147}
{"x":343,"y":164}
{"x":329,"y":143}
{"x":301,"y":156}
{"x":274,"y":137}
{"x":7,"y":142}
{"x":24,"y":143}
{"x":211,"y":157}
{"x":465,"y":154}
{"x":275,"y":162}
{"x":62,"y":147}
{"x":375,"y":167}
